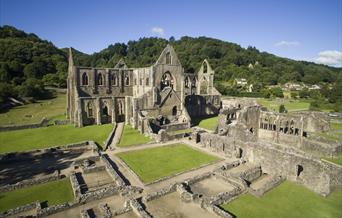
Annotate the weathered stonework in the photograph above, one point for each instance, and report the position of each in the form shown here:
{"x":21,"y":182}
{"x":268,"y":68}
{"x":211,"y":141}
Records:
{"x":148,"y":98}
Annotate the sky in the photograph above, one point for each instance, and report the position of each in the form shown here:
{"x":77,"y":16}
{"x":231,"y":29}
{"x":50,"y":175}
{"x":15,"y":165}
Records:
{"x":298,"y":29}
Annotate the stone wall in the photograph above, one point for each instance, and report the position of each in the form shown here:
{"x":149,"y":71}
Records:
{"x":43,"y":123}
{"x":31,"y":182}
{"x":20,"y":209}
{"x":295,"y":166}
{"x":267,"y":186}
{"x":112,"y":171}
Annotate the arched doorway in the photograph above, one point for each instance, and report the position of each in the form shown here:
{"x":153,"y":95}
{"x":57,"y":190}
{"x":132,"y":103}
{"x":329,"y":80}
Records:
{"x":105,"y":115}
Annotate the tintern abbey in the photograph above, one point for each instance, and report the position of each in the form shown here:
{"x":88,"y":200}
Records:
{"x":144,"y":97}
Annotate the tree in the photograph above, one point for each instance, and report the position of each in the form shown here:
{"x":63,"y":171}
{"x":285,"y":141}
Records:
{"x":282,"y":109}
{"x":277,"y":92}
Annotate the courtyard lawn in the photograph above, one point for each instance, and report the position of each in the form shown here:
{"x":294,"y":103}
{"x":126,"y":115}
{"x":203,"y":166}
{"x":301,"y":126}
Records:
{"x":30,"y":139}
{"x":287,"y":200}
{"x":337,"y":160}
{"x":208,"y":123}
{"x":181,"y":131}
{"x":55,"y":192}
{"x":155,"y":163}
{"x":131,"y":136}
{"x":35,"y":112}
{"x":290,"y":105}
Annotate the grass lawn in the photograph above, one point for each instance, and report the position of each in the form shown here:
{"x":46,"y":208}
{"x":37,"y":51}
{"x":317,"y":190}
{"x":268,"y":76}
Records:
{"x":208,"y":123}
{"x":55,"y":192}
{"x":290,"y":105}
{"x":287,"y":200}
{"x":29,"y":139}
{"x":336,"y":126}
{"x":337,"y":160}
{"x":35,"y":112}
{"x":131,"y":136}
{"x":154,"y":163}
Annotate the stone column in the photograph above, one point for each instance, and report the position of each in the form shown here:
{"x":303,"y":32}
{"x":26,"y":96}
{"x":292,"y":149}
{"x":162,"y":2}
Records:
{"x":98,"y":111}
{"x":108,"y":90}
{"x":79,"y":113}
{"x":182,"y":95}
{"x":113,"y":110}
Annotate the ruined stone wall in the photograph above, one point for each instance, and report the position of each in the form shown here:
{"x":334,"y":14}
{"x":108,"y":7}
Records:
{"x":202,"y":105}
{"x":42,"y":123}
{"x":293,"y":165}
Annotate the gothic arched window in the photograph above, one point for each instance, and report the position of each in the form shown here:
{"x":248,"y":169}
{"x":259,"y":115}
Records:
{"x":126,"y":79}
{"x":166,"y":81}
{"x":84,"y":79}
{"x":168,"y":58}
{"x":114,"y":80}
{"x":90,"y":109}
{"x":99,"y":80}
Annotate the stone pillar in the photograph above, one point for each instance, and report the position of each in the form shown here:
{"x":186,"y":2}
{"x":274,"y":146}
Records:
{"x":98,"y":111}
{"x":127,"y":117}
{"x":79,"y":114}
{"x":113,"y":110}
{"x":182,"y":95}
{"x":108,"y":89}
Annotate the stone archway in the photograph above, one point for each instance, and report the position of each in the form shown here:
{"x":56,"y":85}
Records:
{"x":120,"y":110}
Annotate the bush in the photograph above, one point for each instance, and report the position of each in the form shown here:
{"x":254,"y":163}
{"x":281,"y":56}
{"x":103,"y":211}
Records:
{"x":282,"y":109}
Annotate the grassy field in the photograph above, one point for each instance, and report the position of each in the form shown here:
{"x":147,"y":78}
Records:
{"x":290,"y":105}
{"x":154,"y":163}
{"x":35,"y":112}
{"x":29,"y":139}
{"x":337,"y":160}
{"x":52,"y":193}
{"x":287,"y":200}
{"x":208,"y":123}
{"x":131,"y":137}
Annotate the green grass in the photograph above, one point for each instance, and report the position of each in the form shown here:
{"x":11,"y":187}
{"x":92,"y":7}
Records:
{"x":35,"y":112}
{"x":29,"y":139}
{"x":337,"y":160}
{"x":290,"y":105}
{"x":155,"y":163}
{"x":336,"y":126}
{"x":55,"y":192}
{"x":208,"y":123}
{"x":131,"y":136}
{"x":287,"y":200}
{"x":176,"y":132}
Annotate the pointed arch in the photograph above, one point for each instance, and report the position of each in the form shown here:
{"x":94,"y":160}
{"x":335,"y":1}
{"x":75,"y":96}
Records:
{"x":114,"y":79}
{"x":168,"y":58}
{"x":99,"y":79}
{"x":90,"y":109}
{"x":166,"y":81}
{"x":126,"y":79}
{"x":187,"y":82}
{"x":84,"y":79}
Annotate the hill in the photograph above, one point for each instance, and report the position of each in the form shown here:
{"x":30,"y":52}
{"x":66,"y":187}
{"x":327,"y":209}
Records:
{"x":28,"y":63}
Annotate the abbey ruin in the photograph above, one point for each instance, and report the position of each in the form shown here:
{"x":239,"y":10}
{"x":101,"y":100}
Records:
{"x":255,"y":150}
{"x":160,"y":94}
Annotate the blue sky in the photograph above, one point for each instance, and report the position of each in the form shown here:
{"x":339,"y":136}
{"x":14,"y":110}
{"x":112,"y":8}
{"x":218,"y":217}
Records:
{"x":301,"y":29}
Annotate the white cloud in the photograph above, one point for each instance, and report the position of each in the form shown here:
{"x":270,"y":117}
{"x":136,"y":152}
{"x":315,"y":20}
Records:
{"x":287,"y":43}
{"x":158,"y":30}
{"x":330,"y":57}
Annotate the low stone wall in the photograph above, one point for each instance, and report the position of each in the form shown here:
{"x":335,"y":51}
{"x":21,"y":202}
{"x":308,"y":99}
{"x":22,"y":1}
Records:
{"x":197,"y":178}
{"x":53,"y":209}
{"x":84,"y":214}
{"x":224,"y":197}
{"x":138,"y":209}
{"x":76,"y":188}
{"x":81,"y":160}
{"x":160,"y":193}
{"x":221,"y":213}
{"x":99,"y":193}
{"x":93,"y":169}
{"x":110,"y":137}
{"x":43,"y":123}
{"x":272,"y":183}
{"x":112,"y":172}
{"x":20,"y":209}
{"x":31,"y":182}
{"x":127,"y":208}
{"x":250,"y":174}
{"x":61,"y":122}
{"x":105,"y":209}
{"x":175,"y":126}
